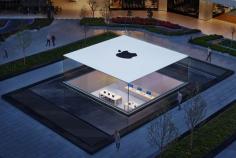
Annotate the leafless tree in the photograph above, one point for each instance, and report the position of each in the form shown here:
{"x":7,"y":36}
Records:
{"x":232,"y":33}
{"x":83,"y":14}
{"x":105,"y":10}
{"x":93,"y":6}
{"x":1,"y":46}
{"x":149,"y":13}
{"x":194,"y":114}
{"x":24,"y":41}
{"x":161,"y":132}
{"x":129,"y":14}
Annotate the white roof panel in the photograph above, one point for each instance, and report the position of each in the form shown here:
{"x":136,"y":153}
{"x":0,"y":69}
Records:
{"x":102,"y":57}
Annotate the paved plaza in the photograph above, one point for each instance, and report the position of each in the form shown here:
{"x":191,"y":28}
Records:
{"x":71,"y":10}
{"x":71,"y":32}
{"x":22,"y":136}
{"x":75,"y":32}
{"x":230,"y":151}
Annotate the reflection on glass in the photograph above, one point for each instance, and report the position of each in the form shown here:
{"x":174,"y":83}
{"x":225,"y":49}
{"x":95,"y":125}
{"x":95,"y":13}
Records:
{"x":120,"y":95}
{"x":133,"y":4}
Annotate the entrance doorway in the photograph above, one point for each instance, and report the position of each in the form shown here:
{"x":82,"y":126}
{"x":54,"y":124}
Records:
{"x":184,"y":7}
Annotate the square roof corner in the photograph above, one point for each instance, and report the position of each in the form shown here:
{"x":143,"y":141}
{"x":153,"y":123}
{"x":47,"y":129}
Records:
{"x":126,"y":58}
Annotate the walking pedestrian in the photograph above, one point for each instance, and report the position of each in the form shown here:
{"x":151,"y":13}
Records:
{"x":5,"y":53}
{"x":48,"y":43}
{"x":117,"y":139}
{"x":191,"y":38}
{"x":179,"y":98}
{"x":53,"y":40}
{"x":209,"y":52}
{"x":2,"y":54}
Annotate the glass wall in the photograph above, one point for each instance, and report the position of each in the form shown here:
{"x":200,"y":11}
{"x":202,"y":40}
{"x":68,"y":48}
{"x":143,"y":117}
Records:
{"x":122,"y":96}
{"x":24,"y":6}
{"x":133,"y":4}
{"x":219,"y":9}
{"x":185,"y":7}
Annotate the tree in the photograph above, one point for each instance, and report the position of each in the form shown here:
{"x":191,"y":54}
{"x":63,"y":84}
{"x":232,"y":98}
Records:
{"x":149,"y":13}
{"x":161,"y":132}
{"x":84,"y":14}
{"x":232,"y":33}
{"x":193,"y":115}
{"x":24,"y":41}
{"x":1,"y":40}
{"x":129,"y":13}
{"x":93,"y":6}
{"x":50,"y":10}
{"x":105,"y":10}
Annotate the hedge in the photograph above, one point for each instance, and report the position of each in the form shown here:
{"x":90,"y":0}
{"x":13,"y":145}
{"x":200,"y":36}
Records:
{"x":205,"y":42}
{"x":150,"y":28}
{"x":206,"y":137}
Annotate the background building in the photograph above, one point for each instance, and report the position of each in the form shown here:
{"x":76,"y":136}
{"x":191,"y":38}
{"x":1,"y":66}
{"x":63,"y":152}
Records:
{"x":24,"y":6}
{"x":202,"y":9}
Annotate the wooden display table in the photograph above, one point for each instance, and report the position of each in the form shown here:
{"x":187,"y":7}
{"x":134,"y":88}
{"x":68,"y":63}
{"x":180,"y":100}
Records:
{"x":131,"y":105}
{"x":111,"y":97}
{"x":136,"y":91}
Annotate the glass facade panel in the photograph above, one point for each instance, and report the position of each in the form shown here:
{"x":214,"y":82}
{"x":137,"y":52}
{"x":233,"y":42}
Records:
{"x":185,"y":7}
{"x":117,"y":94}
{"x":133,"y":4}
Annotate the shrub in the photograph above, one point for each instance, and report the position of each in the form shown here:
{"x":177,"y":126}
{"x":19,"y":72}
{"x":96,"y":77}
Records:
{"x":205,"y":42}
{"x":93,"y":21}
{"x":144,"y":21}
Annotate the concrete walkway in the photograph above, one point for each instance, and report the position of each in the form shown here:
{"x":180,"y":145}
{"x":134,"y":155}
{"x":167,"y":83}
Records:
{"x":23,"y":137}
{"x":65,"y":31}
{"x":229,"y":151}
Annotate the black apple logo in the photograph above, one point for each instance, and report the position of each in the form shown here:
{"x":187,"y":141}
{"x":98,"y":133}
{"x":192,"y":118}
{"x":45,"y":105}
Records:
{"x":125,"y":54}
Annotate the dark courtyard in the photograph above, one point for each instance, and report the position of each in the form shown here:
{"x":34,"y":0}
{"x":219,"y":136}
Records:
{"x":85,"y":122}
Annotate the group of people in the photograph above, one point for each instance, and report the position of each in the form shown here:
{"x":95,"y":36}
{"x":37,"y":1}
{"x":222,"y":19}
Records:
{"x":51,"y":39}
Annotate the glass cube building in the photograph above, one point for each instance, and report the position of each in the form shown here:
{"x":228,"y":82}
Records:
{"x":122,"y":73}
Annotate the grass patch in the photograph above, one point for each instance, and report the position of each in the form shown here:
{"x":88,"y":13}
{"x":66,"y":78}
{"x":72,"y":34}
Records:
{"x":205,"y":42}
{"x":39,"y":23}
{"x":228,"y":43}
{"x":207,"y":137}
{"x":158,"y":30}
{"x":93,"y":21}
{"x":167,"y":32}
{"x":46,"y":57}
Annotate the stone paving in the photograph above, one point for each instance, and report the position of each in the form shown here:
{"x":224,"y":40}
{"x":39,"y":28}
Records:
{"x":71,"y":10}
{"x":229,"y":152}
{"x":71,"y":32}
{"x":21,"y":136}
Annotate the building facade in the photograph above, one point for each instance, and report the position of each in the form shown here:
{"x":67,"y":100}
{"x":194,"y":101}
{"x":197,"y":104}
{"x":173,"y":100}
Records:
{"x":24,"y":6}
{"x":202,"y":9}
